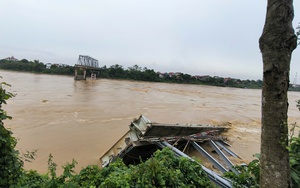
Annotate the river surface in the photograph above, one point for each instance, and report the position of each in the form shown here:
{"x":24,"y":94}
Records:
{"x":81,"y":120}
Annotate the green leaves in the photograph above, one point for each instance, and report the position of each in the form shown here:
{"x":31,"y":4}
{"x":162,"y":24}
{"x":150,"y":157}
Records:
{"x":4,"y":95}
{"x":248,"y":177}
{"x":294,"y":151}
{"x":10,"y":163}
{"x":166,"y":170}
{"x":162,"y":170}
{"x":249,"y":174}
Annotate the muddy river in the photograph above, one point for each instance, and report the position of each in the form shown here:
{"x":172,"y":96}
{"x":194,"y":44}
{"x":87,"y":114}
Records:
{"x":82,"y":119}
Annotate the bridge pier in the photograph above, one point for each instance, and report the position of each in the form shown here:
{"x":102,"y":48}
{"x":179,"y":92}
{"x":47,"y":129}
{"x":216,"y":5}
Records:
{"x":93,"y":76}
{"x":79,"y":76}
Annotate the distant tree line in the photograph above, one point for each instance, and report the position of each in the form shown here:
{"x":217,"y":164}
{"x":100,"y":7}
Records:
{"x":138,"y":73}
{"x":133,"y":73}
{"x":35,"y":66}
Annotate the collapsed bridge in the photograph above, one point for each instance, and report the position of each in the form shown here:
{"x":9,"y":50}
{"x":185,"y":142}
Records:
{"x":145,"y":137}
{"x":85,"y":63}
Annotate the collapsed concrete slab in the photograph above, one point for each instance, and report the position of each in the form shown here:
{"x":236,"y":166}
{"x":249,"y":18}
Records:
{"x":145,"y":137}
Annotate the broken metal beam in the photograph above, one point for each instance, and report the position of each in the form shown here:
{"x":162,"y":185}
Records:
{"x":209,"y":157}
{"x":226,"y":149}
{"x":223,"y":156}
{"x":214,"y":177}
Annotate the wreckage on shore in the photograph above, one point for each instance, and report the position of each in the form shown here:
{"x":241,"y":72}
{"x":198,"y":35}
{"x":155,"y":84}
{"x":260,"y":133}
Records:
{"x":145,"y":137}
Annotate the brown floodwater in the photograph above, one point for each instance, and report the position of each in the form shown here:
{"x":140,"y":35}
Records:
{"x":81,"y":120}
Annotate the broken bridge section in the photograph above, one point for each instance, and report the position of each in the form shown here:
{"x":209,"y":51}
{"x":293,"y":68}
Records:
{"x":85,"y":63}
{"x":145,"y":137}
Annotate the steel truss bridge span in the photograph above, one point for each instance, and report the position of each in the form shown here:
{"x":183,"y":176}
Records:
{"x":87,"y":61}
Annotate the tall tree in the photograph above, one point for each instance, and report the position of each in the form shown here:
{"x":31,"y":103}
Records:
{"x":277,"y":43}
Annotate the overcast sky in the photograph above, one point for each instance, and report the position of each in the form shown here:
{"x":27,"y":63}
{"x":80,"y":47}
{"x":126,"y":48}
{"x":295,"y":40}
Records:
{"x":215,"y":37}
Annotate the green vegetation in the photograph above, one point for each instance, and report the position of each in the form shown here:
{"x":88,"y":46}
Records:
{"x":249,"y":174}
{"x":131,"y":73}
{"x":162,"y":170}
{"x":248,"y":177}
{"x":10,"y":163}
{"x":35,"y":66}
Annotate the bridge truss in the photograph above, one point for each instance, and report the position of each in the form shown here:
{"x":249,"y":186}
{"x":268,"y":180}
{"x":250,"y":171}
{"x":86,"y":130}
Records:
{"x":87,"y":61}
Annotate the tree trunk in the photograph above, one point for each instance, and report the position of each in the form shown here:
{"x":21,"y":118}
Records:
{"x":276,"y":44}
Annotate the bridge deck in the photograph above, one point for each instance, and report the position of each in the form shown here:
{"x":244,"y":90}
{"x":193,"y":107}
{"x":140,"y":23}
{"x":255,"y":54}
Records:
{"x":86,"y":67}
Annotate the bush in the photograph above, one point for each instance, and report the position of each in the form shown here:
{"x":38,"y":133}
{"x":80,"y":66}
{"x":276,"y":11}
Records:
{"x":10,"y":163}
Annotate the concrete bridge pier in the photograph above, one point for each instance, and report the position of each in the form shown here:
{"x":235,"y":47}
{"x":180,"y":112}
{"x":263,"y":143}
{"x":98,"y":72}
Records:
{"x":93,"y":76}
{"x":78,"y":76}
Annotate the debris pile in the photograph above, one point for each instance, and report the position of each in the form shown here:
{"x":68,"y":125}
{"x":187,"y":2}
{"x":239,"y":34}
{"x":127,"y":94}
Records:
{"x":145,"y":137}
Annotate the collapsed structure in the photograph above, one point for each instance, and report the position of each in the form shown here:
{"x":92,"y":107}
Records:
{"x":145,"y":137}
